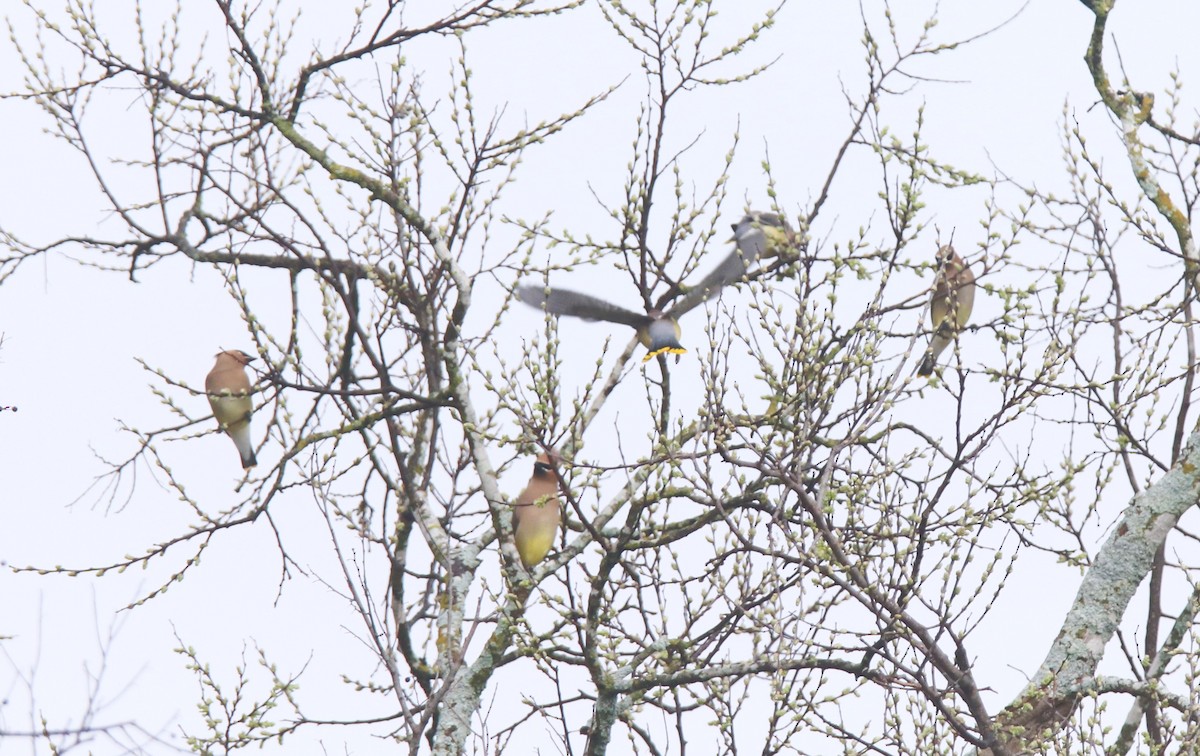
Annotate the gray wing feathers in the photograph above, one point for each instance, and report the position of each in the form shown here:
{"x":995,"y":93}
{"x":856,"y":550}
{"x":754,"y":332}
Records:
{"x":577,"y":305}
{"x":750,"y":243}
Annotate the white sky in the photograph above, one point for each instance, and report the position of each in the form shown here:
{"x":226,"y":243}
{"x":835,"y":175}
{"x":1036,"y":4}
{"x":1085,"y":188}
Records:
{"x":72,"y":334}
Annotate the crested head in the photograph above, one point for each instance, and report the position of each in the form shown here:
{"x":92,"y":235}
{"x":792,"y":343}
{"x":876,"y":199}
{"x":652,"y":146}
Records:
{"x":546,"y":464}
{"x":946,"y":255}
{"x":235,"y":355}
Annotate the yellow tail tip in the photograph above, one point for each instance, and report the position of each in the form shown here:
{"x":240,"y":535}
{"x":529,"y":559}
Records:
{"x":665,"y":350}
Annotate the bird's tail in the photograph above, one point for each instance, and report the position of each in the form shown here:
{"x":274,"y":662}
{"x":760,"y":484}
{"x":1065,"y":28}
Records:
{"x":937,"y":345}
{"x":663,"y":350}
{"x":241,"y":439}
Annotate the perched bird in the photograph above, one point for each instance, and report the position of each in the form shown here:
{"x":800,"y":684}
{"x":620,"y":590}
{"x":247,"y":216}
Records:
{"x":755,"y":235}
{"x":228,"y":389}
{"x":536,"y":513}
{"x":949,"y":305}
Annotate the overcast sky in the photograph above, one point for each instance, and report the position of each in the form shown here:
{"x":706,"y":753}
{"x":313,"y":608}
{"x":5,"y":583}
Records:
{"x":73,"y":335}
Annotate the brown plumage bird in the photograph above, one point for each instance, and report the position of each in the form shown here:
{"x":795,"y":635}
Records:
{"x":756,"y":235}
{"x":950,"y":305}
{"x":228,"y":388}
{"x":537,"y":512}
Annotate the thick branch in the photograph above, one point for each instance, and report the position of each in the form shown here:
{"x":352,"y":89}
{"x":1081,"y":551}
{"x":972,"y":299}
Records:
{"x":1107,"y":588}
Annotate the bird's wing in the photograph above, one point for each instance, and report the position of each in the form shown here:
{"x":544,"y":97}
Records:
{"x":965,"y":295}
{"x":939,"y":301}
{"x":750,"y":243}
{"x":577,"y":305}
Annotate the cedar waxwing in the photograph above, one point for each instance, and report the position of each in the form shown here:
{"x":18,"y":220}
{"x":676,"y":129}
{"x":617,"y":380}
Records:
{"x":756,"y":235}
{"x":228,"y":389}
{"x":536,"y":513}
{"x":658,"y":332}
{"x":949,"y":305}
